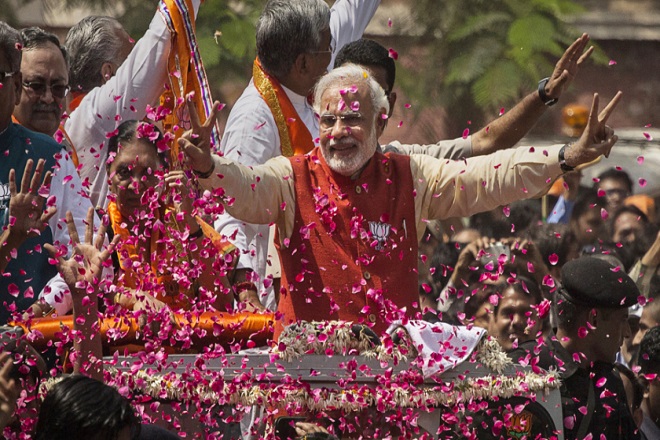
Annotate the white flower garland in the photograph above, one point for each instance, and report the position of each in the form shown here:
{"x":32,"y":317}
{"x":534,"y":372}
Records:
{"x":391,"y":395}
{"x":337,"y":338}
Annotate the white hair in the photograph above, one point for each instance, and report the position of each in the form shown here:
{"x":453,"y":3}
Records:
{"x":351,"y":74}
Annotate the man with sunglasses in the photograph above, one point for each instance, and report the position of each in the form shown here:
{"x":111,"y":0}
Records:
{"x":45,"y":82}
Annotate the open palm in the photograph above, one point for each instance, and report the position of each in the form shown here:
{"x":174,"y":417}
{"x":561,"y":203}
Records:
{"x":26,"y":207}
{"x":85,"y":266}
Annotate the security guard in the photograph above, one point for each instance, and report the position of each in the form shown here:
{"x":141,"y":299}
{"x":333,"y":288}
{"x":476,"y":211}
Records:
{"x":592,"y":320}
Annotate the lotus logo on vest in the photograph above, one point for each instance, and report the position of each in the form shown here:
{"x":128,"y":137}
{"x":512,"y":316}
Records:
{"x":380,"y":232}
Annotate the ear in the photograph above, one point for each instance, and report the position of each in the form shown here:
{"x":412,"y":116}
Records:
{"x":107,"y":71}
{"x":381,"y":123}
{"x":300,"y":65}
{"x":392,"y":101}
{"x":18,"y":87}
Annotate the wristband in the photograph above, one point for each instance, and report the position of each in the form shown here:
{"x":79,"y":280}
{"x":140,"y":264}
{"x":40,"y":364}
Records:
{"x":205,"y":175}
{"x":562,"y":161}
{"x":545,"y":98}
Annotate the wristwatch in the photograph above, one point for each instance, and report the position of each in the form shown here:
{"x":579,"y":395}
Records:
{"x":545,"y":98}
{"x":562,"y":161}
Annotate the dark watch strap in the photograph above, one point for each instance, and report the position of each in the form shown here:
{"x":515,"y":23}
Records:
{"x":205,"y":175}
{"x":562,"y":161}
{"x":545,"y":98}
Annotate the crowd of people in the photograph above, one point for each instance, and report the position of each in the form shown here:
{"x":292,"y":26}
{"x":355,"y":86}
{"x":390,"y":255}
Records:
{"x":110,"y":212}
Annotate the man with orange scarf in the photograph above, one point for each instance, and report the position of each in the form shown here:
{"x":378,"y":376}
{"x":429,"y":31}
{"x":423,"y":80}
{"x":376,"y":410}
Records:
{"x":296,"y":43}
{"x":112,"y":79}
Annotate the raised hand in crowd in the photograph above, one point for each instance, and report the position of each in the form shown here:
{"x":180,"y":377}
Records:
{"x":27,"y":216}
{"x":468,"y":257}
{"x":532,"y":260}
{"x":82,"y":272}
{"x":196,"y":142}
{"x":9,"y":390}
{"x":567,"y":67}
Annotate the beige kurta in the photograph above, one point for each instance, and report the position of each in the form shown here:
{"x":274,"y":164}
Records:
{"x":265,"y":194}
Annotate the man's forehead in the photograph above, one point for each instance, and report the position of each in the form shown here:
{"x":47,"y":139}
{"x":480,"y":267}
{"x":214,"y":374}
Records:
{"x":49,"y":56}
{"x":348,"y":93}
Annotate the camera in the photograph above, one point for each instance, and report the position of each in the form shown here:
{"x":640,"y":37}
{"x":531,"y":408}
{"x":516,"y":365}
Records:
{"x":496,"y":252}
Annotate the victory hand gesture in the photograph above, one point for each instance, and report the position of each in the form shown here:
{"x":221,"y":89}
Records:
{"x":196,"y":143}
{"x":597,"y":138}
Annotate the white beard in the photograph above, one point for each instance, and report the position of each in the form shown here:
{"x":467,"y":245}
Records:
{"x":350,"y":165}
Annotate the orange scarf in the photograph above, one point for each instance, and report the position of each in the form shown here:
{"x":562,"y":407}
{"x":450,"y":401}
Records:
{"x":186,"y":74}
{"x":295,"y":138}
{"x":76,"y":98}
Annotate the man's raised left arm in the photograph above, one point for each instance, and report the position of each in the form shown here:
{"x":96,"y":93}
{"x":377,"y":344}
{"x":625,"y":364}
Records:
{"x":505,"y":131}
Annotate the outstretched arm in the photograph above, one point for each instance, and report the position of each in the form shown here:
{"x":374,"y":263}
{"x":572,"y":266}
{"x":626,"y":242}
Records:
{"x":255,"y":195}
{"x":460,"y":188}
{"x":508,"y":129}
{"x":348,"y":20}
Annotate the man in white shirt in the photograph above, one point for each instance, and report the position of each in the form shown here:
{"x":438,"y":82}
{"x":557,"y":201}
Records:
{"x":111,"y":80}
{"x":296,"y":43}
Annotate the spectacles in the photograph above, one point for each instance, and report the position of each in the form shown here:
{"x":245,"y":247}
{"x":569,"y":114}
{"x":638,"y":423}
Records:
{"x":39,"y":88}
{"x":350,"y":119}
{"x":5,"y":75}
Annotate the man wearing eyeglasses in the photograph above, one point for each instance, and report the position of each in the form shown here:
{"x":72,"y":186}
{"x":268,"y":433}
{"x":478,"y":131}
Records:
{"x":45,"y":82}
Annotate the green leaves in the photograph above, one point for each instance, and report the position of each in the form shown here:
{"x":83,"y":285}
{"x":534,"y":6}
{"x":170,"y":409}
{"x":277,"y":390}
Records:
{"x":491,"y":53}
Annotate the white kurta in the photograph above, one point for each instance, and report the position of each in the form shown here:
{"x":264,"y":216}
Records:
{"x":139,"y":82}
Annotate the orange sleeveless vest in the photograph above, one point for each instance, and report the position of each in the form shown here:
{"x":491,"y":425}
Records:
{"x":353,"y":252}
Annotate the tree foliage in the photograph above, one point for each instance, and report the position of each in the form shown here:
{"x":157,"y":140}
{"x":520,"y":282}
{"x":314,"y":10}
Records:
{"x":482,"y":55}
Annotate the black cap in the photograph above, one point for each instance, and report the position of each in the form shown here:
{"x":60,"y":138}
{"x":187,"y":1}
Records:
{"x":593,"y":282}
